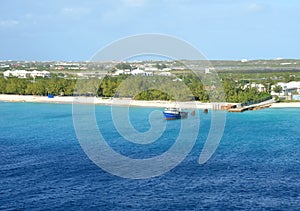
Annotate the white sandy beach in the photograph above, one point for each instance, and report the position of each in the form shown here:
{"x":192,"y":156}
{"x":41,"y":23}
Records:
{"x":110,"y":101}
{"x":286,"y":105}
{"x":124,"y":102}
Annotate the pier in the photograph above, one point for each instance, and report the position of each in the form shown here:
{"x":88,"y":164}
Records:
{"x":255,"y":106}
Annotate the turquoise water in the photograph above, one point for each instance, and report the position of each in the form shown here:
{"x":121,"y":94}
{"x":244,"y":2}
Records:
{"x":256,"y":166}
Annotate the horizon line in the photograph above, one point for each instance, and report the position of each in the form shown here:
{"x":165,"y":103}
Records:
{"x":154,"y":60}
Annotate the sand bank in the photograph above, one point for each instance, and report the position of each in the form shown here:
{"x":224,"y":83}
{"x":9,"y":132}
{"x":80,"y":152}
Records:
{"x":32,"y":98}
{"x":286,"y":105}
{"x":124,"y":102}
{"x":110,"y":101}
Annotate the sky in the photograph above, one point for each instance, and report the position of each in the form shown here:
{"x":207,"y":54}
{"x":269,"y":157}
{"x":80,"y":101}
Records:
{"x":74,"y":30}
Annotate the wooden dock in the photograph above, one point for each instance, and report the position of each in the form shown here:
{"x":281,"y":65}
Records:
{"x":258,"y":106}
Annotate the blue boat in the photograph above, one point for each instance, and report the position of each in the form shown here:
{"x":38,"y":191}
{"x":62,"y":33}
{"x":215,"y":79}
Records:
{"x":174,"y":113}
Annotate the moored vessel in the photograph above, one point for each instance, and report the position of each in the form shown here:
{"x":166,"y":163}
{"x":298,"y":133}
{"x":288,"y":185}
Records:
{"x":174,"y":113}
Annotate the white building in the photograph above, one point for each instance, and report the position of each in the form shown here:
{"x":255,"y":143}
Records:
{"x":138,"y":72}
{"x":43,"y":74}
{"x":16,"y":73}
{"x":26,"y":74}
{"x":149,"y":69}
{"x":260,"y":87}
{"x":287,"y":88}
{"x":127,"y":71}
{"x":6,"y":73}
{"x":132,"y":72}
{"x":4,"y":65}
{"x":118,"y":72}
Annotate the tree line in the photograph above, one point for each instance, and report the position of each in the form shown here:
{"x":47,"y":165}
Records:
{"x":182,"y":88}
{"x":38,"y":86}
{"x":236,"y":92}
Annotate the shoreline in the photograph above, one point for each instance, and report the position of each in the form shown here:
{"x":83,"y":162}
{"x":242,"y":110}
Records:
{"x":286,"y":105}
{"x":107,"y":102}
{"x":124,"y":102}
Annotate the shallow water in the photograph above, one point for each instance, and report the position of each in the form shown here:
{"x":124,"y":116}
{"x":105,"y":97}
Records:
{"x":256,"y":166}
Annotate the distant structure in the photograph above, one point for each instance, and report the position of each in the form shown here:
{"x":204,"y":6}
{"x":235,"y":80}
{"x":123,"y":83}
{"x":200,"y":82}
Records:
{"x":260,"y":87}
{"x":36,"y":73}
{"x":208,"y":70}
{"x":138,"y":72}
{"x":148,"y":69}
{"x":288,"y":89}
{"x":69,"y":66}
{"x":132,"y":72}
{"x":26,"y":74}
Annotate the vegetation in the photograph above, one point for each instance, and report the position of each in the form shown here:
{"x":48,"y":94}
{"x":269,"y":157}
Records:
{"x":236,"y":93}
{"x":152,"y":94}
{"x":185,"y":88}
{"x":160,"y":66}
{"x":39,"y":86}
{"x":123,"y":66}
{"x":185,"y":85}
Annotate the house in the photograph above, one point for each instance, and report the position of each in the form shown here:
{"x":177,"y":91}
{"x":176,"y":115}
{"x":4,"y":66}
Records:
{"x":118,"y":72}
{"x":208,"y":70}
{"x":260,"y":87}
{"x":4,"y":65}
{"x":26,"y":74}
{"x":17,"y":73}
{"x":138,"y":72}
{"x":127,"y":72}
{"x":6,"y":73}
{"x":149,"y":69}
{"x":36,"y":73}
{"x":287,"y":88}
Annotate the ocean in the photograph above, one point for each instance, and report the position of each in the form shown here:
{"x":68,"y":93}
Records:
{"x":43,"y":166}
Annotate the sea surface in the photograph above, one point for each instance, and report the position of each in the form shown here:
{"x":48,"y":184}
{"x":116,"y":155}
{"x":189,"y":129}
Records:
{"x":42,"y":165}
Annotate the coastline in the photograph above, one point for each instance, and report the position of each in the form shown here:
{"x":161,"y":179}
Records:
{"x":286,"y":105}
{"x":110,"y":101}
{"x":124,"y":102}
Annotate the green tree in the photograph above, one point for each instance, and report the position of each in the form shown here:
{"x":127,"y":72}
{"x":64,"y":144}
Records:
{"x":123,"y":66}
{"x":16,"y":86}
{"x":277,"y":89}
{"x":36,"y":88}
{"x":3,"y":85}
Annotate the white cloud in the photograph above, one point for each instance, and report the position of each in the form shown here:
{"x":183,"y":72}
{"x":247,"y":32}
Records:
{"x":254,"y":7}
{"x":8,"y":23}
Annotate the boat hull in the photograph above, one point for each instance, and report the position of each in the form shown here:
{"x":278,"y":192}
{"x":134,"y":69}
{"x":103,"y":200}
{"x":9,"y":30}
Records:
{"x":171,"y":116}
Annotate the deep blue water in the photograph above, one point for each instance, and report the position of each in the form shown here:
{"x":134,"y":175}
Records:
{"x":42,"y":166}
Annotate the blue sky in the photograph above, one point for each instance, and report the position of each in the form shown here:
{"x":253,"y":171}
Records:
{"x":73,"y":30}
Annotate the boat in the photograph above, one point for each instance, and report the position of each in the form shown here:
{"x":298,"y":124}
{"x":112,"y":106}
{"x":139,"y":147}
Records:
{"x":174,"y":113}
